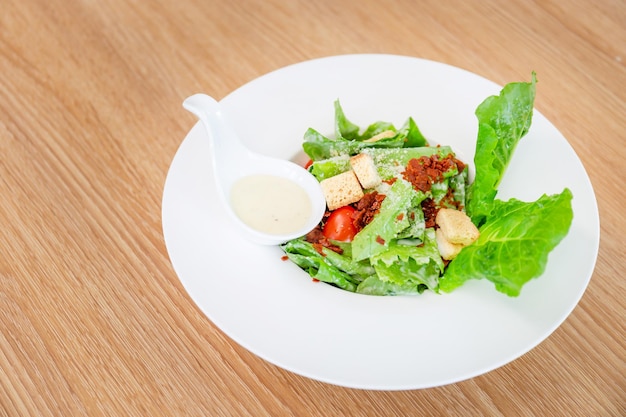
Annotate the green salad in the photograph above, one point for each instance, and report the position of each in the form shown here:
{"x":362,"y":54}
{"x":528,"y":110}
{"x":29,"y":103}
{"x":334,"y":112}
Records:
{"x":404,"y":218}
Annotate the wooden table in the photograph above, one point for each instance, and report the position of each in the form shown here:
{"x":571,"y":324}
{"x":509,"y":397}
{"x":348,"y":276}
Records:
{"x":94,"y":319}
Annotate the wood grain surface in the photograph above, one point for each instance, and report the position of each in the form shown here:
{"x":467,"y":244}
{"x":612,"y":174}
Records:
{"x":95,"y":321}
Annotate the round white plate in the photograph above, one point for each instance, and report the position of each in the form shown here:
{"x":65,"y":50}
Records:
{"x":272,"y":308}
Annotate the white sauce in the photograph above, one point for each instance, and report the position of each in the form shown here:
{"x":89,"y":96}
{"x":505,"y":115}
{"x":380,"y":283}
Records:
{"x":270,"y":204}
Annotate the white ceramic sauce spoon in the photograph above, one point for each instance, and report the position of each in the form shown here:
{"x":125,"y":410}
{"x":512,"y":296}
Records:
{"x":232,"y":162}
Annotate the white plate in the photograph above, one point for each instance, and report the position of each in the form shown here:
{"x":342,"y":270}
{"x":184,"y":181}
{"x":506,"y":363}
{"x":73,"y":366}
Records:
{"x":276,"y":311}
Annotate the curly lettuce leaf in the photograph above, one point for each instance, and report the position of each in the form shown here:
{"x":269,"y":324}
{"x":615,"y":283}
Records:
{"x":514,"y":243}
{"x":502,"y":121}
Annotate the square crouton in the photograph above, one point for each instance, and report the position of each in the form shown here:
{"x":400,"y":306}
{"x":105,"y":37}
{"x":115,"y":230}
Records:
{"x":456,"y":226}
{"x":365,"y":170}
{"x":341,"y":190}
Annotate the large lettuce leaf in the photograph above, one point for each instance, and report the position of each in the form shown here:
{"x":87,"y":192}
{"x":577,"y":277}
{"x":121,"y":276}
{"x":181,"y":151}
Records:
{"x":502,"y":121}
{"x":514,"y":243}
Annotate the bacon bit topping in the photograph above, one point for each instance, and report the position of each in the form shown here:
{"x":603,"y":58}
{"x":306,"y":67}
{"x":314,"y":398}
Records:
{"x":366,"y":208}
{"x":424,"y":171}
{"x":449,"y":201}
{"x":460,"y":165}
{"x":430,"y":212}
{"x":319,"y":241}
{"x":319,"y":248}
{"x":380,"y":240}
{"x":284,"y":258}
{"x":400,"y":217}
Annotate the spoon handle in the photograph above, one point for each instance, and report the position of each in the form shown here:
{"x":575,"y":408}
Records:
{"x":226,"y":148}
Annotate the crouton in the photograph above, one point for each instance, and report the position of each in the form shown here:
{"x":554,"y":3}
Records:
{"x":365,"y":170}
{"x":341,"y":190}
{"x":447,"y":250}
{"x":456,"y":226}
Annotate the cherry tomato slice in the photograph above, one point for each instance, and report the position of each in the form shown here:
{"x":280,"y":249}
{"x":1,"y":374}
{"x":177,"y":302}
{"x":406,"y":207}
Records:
{"x":339,"y":225}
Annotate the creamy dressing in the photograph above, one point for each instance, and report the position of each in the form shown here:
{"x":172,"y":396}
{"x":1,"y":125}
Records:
{"x":271,"y":204}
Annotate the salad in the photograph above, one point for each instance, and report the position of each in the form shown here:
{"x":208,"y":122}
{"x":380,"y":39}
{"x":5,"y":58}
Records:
{"x":403,"y":216}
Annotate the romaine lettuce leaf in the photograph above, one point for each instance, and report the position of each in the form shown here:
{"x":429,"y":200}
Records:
{"x":502,"y":121}
{"x":330,"y":267}
{"x":391,"y":219}
{"x":417,"y":225}
{"x":342,"y":261}
{"x":514,"y":243}
{"x":332,"y":275}
{"x":374,"y":286}
{"x":390,"y":161}
{"x":379,"y":127}
{"x":319,"y":270}
{"x":330,"y":167}
{"x":345,"y":129}
{"x":414,"y":137}
{"x":405,"y":264}
{"x":349,"y":141}
{"x":458,"y":185}
{"x":318,"y":147}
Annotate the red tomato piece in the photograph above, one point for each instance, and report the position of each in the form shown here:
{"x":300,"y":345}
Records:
{"x":339,"y":225}
{"x":308,"y":164}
